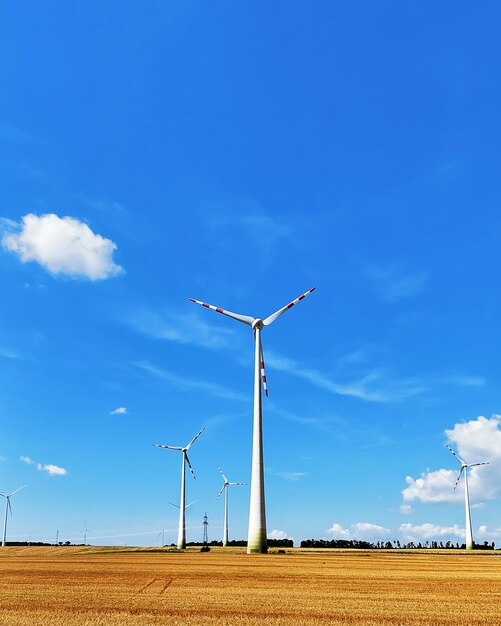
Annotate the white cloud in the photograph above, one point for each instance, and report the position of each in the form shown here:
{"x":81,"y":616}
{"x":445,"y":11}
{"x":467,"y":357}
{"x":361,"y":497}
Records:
{"x":361,"y":530}
{"x":63,"y":245}
{"x":485,"y":533}
{"x":338,"y":532}
{"x":405,"y":509}
{"x":279,"y":534}
{"x":464,"y":380}
{"x":52,"y":470}
{"x":476,"y":441}
{"x":394,"y":285}
{"x":121,"y":410}
{"x":430,"y":531}
{"x":364,"y":529}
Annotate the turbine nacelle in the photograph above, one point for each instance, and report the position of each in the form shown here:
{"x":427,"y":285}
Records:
{"x":464,"y":465}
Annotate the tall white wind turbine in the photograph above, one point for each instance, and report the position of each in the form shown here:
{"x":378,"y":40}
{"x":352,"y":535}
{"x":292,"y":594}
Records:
{"x":257,"y":540}
{"x":181,"y":535}
{"x":464,"y":467}
{"x":8,"y":509}
{"x":225,"y":489}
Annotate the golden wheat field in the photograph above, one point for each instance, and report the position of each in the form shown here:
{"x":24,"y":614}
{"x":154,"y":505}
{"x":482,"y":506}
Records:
{"x":66,"y":586}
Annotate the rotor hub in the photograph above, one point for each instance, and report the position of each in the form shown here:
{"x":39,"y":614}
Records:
{"x":258,"y":324}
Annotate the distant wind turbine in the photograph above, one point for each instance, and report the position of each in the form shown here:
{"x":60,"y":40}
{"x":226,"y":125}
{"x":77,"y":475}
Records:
{"x":225,"y":489}
{"x":85,"y":530}
{"x":465,"y":466}
{"x":257,"y":539}
{"x":8,"y":509}
{"x":181,"y":535}
{"x":162,"y":532}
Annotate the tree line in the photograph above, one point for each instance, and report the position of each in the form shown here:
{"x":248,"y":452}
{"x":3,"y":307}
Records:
{"x":391,"y":545}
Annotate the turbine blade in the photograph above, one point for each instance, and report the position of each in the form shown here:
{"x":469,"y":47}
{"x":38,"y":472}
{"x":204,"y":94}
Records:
{"x":452,"y":452}
{"x":246,"y":319}
{"x":194,"y":439}
{"x":263,"y":371}
{"x":172,"y":504}
{"x":221,"y":490}
{"x":189,"y":464}
{"x":274,"y":316}
{"x":19,"y":489}
{"x":160,"y":445}
{"x":476,"y":464}
{"x":190,"y":504}
{"x":222,"y":474}
{"x":9,"y":506}
{"x":457,"y":479}
{"x":237,"y":483}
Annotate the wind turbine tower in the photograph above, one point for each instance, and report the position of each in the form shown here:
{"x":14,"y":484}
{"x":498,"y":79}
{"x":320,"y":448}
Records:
{"x":8,"y":508}
{"x":181,"y":535}
{"x":225,"y":489}
{"x":257,"y":539}
{"x":465,"y":466}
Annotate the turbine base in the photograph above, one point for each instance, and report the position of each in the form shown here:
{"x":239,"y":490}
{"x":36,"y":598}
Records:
{"x":257,"y":543}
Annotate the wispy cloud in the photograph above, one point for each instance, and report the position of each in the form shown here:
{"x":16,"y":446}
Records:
{"x":10,"y":354}
{"x":374,"y":386}
{"x":264,"y":229}
{"x":395,"y":285}
{"x":187,"y":384}
{"x":27,"y":459}
{"x":292,"y":476}
{"x":188,"y":328}
{"x":103,"y":204}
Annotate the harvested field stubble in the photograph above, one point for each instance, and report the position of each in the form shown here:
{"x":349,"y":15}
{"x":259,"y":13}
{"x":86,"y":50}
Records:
{"x":94,"y":587}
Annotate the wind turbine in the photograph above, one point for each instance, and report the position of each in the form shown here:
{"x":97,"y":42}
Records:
{"x":257,"y":540}
{"x":162,"y":532}
{"x":8,"y":508}
{"x":85,"y":530}
{"x":225,"y":489}
{"x":465,"y":466}
{"x":181,"y":535}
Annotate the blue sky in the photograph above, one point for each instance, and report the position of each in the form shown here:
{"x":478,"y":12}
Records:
{"x":241,"y":154}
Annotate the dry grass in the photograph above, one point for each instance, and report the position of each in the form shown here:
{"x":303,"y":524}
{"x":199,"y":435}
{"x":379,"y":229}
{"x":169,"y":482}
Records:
{"x":92,"y":586}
